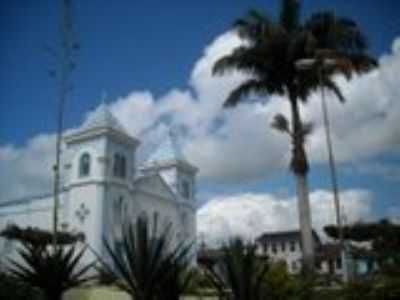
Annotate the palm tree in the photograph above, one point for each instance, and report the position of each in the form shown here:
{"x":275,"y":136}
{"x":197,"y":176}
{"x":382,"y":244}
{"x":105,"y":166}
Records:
{"x":146,"y":265}
{"x":240,"y":272}
{"x":269,"y":57}
{"x":51,"y":270}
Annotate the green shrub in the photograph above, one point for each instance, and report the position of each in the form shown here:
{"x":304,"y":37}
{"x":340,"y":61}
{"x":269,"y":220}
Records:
{"x":283,"y":286}
{"x":387,"y":289}
{"x":359,"y":290}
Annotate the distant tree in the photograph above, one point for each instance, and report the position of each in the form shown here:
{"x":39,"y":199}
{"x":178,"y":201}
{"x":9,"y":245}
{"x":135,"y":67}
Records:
{"x":269,"y":56}
{"x":40,"y":237}
{"x":383,"y":235}
{"x":282,"y":285}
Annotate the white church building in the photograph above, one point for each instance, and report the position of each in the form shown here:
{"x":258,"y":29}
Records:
{"x":104,"y":187}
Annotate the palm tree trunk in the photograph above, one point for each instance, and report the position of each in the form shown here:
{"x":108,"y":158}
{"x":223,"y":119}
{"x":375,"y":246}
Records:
{"x":300,"y":168}
{"x":305,"y":223}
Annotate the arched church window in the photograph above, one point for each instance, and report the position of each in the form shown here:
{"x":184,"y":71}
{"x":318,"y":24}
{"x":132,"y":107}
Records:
{"x":118,"y":214}
{"x":155,"y":218}
{"x":186,"y":191}
{"x":123,"y":166}
{"x":143,"y":218}
{"x":84,"y":165}
{"x":119,"y":168}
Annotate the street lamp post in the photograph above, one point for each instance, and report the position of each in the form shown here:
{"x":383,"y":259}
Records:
{"x":321,"y":66}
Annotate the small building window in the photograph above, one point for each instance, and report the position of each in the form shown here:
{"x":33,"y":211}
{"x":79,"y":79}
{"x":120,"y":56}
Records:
{"x":119,"y":167}
{"x":318,"y":264}
{"x":84,"y":165}
{"x":265,"y":248}
{"x":273,"y":248}
{"x":292,"y":246}
{"x":283,"y":246}
{"x":338,"y":262}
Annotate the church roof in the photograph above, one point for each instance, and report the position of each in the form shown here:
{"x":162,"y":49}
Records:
{"x":279,"y":236}
{"x":102,"y":118}
{"x":167,"y":151}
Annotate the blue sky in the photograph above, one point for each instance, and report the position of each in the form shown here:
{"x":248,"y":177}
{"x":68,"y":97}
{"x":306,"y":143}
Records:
{"x":154,"y":46}
{"x":130,"y":45}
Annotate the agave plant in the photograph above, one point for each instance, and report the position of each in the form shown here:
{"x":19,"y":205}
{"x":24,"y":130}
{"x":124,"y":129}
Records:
{"x":240,"y":271}
{"x":147,"y":266}
{"x":51,"y":270}
{"x":177,"y":281}
{"x":16,"y":290}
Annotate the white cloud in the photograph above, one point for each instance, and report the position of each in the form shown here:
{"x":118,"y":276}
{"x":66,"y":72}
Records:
{"x":26,"y":170}
{"x":249,"y":215}
{"x":234,"y":145}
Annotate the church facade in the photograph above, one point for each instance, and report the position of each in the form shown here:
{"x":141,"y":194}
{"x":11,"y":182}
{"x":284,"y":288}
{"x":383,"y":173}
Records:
{"x":104,"y":187}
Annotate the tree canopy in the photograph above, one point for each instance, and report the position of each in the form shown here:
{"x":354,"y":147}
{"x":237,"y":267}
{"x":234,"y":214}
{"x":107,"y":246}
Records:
{"x":39,"y":237}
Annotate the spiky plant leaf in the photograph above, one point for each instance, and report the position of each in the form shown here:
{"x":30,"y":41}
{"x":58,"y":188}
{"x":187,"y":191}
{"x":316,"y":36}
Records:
{"x":148,"y":266}
{"x":240,"y":270}
{"x":53,"y":271}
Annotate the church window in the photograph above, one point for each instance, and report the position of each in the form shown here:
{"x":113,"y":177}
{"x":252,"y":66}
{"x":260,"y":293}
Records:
{"x":118,"y":213}
{"x":84,"y":165}
{"x":186,"y":189}
{"x":155,"y":218}
{"x":123,"y":166}
{"x":143,"y":217}
{"x":119,"y":168}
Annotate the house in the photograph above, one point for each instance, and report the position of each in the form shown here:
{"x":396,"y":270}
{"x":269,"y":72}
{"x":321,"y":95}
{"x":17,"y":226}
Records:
{"x":104,"y":187}
{"x":286,"y":246}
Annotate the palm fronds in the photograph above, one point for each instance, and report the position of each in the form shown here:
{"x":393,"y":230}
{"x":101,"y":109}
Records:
{"x":53,"y":271}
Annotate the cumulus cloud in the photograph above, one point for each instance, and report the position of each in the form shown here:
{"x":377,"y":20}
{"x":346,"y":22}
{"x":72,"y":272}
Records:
{"x":250,"y":215}
{"x":26,"y":170}
{"x":235,"y":145}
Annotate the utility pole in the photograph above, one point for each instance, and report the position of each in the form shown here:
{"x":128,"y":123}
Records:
{"x":332,"y":168}
{"x":65,"y":65}
{"x":321,"y":65}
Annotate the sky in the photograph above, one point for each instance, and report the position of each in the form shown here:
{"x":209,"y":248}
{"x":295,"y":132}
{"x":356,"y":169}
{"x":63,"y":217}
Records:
{"x":151,"y":61}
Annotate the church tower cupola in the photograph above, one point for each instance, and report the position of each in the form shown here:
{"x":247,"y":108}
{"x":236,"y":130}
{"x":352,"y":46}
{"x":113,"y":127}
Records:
{"x":101,"y":149}
{"x":169,"y":161}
